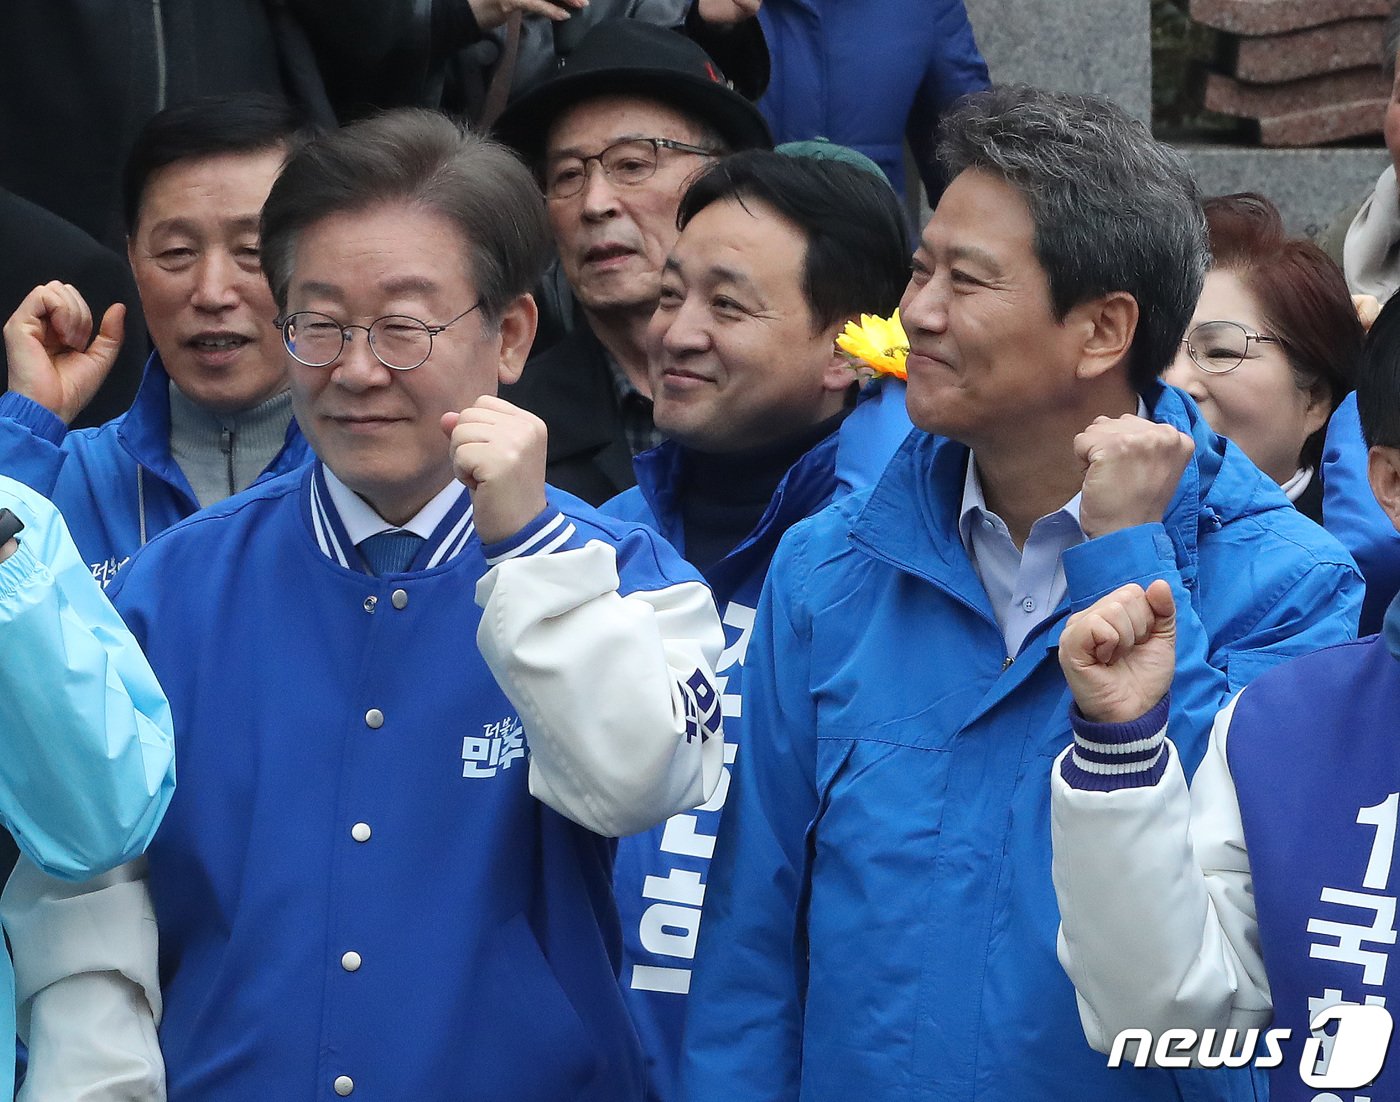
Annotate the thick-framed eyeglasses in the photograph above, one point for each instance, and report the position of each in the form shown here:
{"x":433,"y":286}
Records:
{"x":628,"y":163}
{"x":397,"y":340}
{"x":1218,"y":347}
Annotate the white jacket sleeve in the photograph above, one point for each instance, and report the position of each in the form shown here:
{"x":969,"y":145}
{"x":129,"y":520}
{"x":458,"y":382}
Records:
{"x":1158,"y":927}
{"x":616,"y":691}
{"x":86,"y":985}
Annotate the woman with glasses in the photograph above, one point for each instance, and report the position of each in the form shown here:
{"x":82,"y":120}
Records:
{"x":1273,"y":345}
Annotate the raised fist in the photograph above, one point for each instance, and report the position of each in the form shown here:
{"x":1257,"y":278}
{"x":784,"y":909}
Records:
{"x":1119,"y":654}
{"x":1131,"y":470}
{"x":498,"y":452}
{"x":51,"y":360}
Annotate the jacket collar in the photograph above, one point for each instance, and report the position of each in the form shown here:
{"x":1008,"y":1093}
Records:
{"x":449,"y":539}
{"x":807,"y":487}
{"x":144,"y":431}
{"x":927,"y":474}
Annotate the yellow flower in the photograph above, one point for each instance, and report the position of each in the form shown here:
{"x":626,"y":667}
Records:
{"x":877,"y":343}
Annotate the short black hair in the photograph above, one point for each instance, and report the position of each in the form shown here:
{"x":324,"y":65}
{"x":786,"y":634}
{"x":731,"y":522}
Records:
{"x":207,"y":127}
{"x":857,"y":240}
{"x":1378,"y":381}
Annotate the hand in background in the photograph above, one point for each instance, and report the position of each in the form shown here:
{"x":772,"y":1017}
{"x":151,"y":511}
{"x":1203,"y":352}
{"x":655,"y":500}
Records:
{"x":491,"y":14}
{"x":727,"y":11}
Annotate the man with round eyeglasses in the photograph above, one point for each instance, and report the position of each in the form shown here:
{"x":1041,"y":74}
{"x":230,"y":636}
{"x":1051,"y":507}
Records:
{"x":635,"y":112}
{"x":397,"y":340}
{"x":437,"y":691}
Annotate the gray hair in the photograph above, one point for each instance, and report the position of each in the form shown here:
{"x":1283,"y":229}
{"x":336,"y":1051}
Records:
{"x":421,"y":158}
{"x":1113,"y":209}
{"x":1390,"y":44}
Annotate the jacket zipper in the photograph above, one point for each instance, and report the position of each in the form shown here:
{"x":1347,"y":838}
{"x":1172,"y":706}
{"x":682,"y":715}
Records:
{"x":226,"y":446}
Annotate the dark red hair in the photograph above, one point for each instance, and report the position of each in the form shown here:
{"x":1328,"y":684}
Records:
{"x":1301,"y":291}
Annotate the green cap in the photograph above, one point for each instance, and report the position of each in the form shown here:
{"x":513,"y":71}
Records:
{"x":824,"y":149}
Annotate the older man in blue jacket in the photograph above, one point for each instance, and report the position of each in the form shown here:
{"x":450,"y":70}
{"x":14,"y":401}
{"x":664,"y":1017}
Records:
{"x":419,"y":693}
{"x":880,"y":921}
{"x":212,"y":414}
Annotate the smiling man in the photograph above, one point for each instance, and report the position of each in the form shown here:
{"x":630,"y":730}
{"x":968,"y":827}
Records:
{"x":212,"y":414}
{"x":880,"y":921}
{"x":435,"y":694}
{"x":634,"y":114}
{"x":775,"y":255}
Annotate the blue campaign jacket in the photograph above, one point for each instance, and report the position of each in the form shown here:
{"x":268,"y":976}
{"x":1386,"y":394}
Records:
{"x":659,"y":878}
{"x":117,"y":485}
{"x":1316,"y":775}
{"x":881,"y":922}
{"x":87,"y":765}
{"x":315,"y":701}
{"x":870,"y":75}
{"x":1350,"y":512}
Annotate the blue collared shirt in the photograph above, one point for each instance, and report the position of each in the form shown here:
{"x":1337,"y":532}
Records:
{"x":1025,"y":586}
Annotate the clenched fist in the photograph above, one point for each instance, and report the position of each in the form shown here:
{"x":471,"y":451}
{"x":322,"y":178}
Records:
{"x":50,"y":359}
{"x":1131,"y":470}
{"x":498,"y":451}
{"x":1119,"y":654}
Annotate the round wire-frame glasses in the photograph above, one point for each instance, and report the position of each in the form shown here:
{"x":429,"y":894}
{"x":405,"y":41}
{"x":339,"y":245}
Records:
{"x":398,"y":341}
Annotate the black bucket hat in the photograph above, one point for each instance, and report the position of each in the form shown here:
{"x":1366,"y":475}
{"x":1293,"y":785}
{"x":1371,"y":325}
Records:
{"x":634,"y":58}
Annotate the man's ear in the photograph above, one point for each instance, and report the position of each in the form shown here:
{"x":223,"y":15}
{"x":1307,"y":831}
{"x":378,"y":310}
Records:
{"x":1107,"y":325}
{"x":518,"y":324}
{"x":1383,"y":471}
{"x":838,"y":375}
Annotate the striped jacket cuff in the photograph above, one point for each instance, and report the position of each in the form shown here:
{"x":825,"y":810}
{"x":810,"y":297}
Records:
{"x":33,"y":416}
{"x":548,"y":532}
{"x":1109,"y":756}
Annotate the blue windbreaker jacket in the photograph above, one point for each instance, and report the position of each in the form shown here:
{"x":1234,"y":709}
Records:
{"x":117,"y":485}
{"x":880,"y":922}
{"x":88,"y":764}
{"x":1351,"y":514}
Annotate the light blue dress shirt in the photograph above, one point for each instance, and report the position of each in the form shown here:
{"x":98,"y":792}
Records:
{"x":1025,"y":586}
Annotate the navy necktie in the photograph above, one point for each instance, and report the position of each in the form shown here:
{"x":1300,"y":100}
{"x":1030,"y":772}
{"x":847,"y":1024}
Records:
{"x":390,"y":552}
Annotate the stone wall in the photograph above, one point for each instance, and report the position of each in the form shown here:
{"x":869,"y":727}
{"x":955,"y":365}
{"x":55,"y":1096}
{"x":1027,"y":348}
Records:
{"x":1104,"y":46}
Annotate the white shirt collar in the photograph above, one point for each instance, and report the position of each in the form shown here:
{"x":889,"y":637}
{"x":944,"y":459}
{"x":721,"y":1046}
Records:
{"x":1294,"y":487}
{"x":361,"y":521}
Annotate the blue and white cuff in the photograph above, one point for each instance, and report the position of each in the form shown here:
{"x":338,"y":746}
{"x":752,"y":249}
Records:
{"x":1110,"y":756}
{"x":549,"y":531}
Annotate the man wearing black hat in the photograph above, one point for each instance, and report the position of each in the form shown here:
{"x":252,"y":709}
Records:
{"x":635,"y":112}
